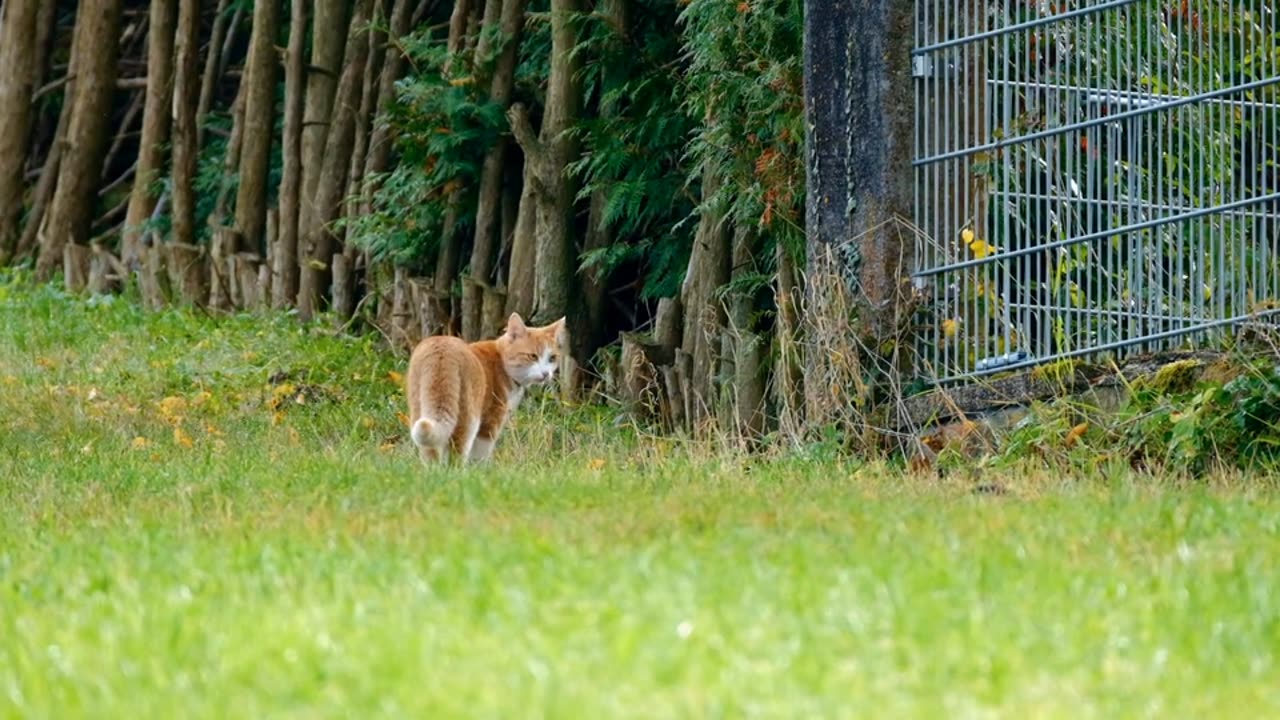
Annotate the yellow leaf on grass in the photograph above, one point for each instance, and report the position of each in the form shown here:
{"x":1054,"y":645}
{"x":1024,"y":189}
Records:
{"x":1075,"y":433}
{"x":395,"y":377}
{"x":171,"y":406}
{"x":596,"y":464}
{"x":404,"y":419}
{"x":181,"y":438}
{"x":140,"y":443}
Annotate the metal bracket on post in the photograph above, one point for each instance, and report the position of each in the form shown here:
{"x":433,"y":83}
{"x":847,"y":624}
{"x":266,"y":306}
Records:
{"x":921,"y":66}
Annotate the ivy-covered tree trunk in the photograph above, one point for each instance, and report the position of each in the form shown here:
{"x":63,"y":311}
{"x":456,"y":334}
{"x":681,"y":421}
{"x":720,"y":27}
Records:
{"x":96,"y":44}
{"x":259,"y":127}
{"x":17,"y":59}
{"x":489,"y":202}
{"x":321,"y":241}
{"x":284,"y":285}
{"x":155,"y":127}
{"x":549,"y":153}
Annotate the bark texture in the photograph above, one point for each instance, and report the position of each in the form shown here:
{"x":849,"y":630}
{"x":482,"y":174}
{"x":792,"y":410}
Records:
{"x":71,"y":210}
{"x":259,"y":114}
{"x":156,"y":120}
{"x":18,"y":20}
{"x":285,"y":258}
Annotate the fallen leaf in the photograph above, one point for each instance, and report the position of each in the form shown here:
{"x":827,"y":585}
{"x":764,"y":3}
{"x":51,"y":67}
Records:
{"x":181,"y":438}
{"x":404,"y":419}
{"x":395,"y":377}
{"x":140,"y":443}
{"x":1075,"y":433}
{"x":596,"y":464}
{"x":171,"y":406}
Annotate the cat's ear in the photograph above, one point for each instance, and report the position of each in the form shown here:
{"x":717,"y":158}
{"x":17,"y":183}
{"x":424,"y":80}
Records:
{"x":516,"y":328}
{"x":561,"y":333}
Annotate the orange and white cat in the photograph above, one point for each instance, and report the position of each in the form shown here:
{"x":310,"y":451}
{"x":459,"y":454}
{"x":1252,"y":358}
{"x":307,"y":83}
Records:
{"x":461,"y":395}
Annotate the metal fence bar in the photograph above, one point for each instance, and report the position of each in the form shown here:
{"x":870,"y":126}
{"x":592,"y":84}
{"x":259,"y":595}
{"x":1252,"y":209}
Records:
{"x":1117,"y":345}
{"x":1124,"y":230}
{"x":1107,"y":119}
{"x":1020,"y":27}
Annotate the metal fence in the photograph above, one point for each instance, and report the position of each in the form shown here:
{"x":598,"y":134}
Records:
{"x":1093,"y":178}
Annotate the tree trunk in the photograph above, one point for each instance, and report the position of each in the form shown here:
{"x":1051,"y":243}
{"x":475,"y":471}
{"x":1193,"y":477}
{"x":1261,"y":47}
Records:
{"x":329,"y":36}
{"x":789,"y":369}
{"x":549,"y":154}
{"x":218,"y":283}
{"x":380,"y":142}
{"x":742,"y":358}
{"x":155,"y":127}
{"x":488,"y":210}
{"x":42,"y":122}
{"x":17,"y":61}
{"x":96,"y":37}
{"x":188,"y":272}
{"x":586,"y":334}
{"x":703,"y":313}
{"x":320,"y":240}
{"x":449,"y":256}
{"x":36,"y":219}
{"x":212,"y":66}
{"x":524,"y":245}
{"x":259,"y":126}
{"x":285,"y":258}
{"x":369,"y":90}
{"x":185,"y":132}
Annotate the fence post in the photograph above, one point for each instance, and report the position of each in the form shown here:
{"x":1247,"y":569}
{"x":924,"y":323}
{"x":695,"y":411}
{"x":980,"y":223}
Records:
{"x":859,"y":120}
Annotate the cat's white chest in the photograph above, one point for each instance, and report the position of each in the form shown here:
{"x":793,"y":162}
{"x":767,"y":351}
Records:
{"x":513,"y":399}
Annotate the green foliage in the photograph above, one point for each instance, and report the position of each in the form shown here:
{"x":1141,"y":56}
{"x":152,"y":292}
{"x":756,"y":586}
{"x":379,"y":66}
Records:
{"x":1178,"y":421}
{"x":744,"y":88}
{"x":443,"y":123}
{"x":633,"y":147}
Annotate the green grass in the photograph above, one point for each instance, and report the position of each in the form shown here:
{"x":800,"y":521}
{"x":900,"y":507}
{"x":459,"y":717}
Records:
{"x":180,"y":537}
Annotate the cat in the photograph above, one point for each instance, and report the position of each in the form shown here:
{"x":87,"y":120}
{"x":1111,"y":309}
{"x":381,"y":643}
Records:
{"x":461,"y":395}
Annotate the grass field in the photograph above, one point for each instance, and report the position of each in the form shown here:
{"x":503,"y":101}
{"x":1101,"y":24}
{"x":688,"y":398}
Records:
{"x":223,"y":519}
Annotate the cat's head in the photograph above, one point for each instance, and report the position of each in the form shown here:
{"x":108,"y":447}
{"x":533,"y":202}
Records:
{"x":532,"y":354}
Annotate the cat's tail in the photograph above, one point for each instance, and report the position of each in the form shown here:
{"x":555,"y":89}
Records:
{"x":428,"y":433}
